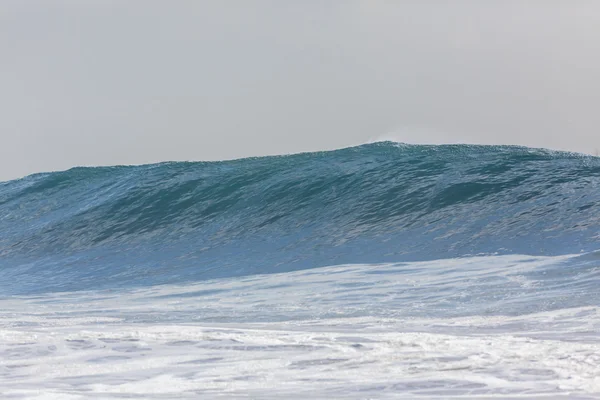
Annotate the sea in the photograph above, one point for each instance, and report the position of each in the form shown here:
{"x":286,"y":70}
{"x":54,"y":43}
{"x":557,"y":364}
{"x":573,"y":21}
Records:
{"x":382,"y":271}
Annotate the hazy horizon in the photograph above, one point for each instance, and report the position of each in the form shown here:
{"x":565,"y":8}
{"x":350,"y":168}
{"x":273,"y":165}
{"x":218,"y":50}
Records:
{"x":121,"y":83}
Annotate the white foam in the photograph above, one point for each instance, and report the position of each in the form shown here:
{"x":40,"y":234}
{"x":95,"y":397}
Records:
{"x":341,"y":332}
{"x":344,"y":358}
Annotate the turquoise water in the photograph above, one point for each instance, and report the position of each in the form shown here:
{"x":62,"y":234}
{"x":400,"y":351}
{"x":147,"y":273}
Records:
{"x":117,"y":227}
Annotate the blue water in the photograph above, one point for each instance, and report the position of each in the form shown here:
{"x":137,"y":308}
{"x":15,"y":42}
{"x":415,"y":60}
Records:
{"x":385,"y":267}
{"x":109,"y":227}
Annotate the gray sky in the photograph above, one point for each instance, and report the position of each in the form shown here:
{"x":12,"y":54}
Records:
{"x":100,"y":82}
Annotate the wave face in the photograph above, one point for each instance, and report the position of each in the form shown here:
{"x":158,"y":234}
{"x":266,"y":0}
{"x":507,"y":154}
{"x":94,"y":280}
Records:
{"x":121,"y":227}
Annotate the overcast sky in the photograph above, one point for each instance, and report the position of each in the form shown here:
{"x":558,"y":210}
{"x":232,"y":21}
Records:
{"x":101,"y":82}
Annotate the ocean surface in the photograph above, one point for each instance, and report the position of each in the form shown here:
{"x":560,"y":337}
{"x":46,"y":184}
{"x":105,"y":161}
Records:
{"x":379,"y":271}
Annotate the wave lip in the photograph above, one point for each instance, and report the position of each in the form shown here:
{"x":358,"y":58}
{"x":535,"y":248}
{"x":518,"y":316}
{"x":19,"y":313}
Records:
{"x":382,"y":202}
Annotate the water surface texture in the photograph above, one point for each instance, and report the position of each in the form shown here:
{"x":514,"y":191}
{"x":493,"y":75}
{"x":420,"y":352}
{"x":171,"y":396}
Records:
{"x":379,"y":271}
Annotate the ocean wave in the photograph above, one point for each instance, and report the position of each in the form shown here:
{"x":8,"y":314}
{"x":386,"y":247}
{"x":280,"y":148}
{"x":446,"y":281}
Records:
{"x":112,"y":227}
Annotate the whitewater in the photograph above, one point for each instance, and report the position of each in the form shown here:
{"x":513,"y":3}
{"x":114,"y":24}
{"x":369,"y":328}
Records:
{"x":379,"y":271}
